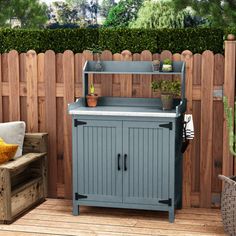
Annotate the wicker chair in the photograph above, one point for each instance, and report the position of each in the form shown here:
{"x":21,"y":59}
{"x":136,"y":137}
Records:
{"x":228,"y":204}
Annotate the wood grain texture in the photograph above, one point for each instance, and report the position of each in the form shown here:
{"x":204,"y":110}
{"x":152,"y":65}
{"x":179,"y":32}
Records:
{"x":116,"y":92}
{"x":187,"y":57}
{"x":69,"y":80}
{"x":106,"y":80}
{"x":50,"y":99}
{"x":195,"y":155}
{"x":32,"y":91}
{"x":145,"y":80}
{"x":88,"y":56}
{"x":136,"y":91}
{"x":14,"y":87}
{"x":54,"y":217}
{"x":229,"y":92}
{"x":206,"y":128}
{"x":52,"y":105}
{"x":126,"y":80}
{"x":1,"y":108}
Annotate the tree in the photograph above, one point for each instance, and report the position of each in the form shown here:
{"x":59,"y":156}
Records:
{"x":123,"y":13}
{"x":29,"y":13}
{"x":65,"y":14}
{"x":87,"y":9}
{"x":106,"y":6}
{"x":217,"y":12}
{"x":159,"y":14}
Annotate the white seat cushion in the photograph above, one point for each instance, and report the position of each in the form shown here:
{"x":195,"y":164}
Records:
{"x":13,"y":133}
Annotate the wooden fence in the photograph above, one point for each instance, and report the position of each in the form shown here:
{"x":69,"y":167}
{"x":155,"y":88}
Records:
{"x":37,"y":88}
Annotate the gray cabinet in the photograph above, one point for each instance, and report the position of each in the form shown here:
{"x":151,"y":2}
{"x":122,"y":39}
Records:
{"x":126,"y":151}
{"x":146,"y":156}
{"x":99,"y":146}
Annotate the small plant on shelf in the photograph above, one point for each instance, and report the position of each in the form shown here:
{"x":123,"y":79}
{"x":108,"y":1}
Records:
{"x":168,"y":89}
{"x":92,"y":98}
{"x":167,"y":65}
{"x":155,"y":65}
{"x":97,"y":51}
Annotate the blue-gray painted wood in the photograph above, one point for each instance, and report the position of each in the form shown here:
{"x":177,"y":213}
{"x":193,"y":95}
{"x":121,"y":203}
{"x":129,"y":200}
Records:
{"x":99,"y":143}
{"x":127,"y":106}
{"x":131,"y":67}
{"x":139,"y":186}
{"x":154,"y":158}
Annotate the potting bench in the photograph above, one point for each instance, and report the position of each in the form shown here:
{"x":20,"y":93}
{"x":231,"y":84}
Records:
{"x":127,"y":151}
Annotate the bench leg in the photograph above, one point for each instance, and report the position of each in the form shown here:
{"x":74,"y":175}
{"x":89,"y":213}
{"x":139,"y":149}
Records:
{"x":75,"y":210}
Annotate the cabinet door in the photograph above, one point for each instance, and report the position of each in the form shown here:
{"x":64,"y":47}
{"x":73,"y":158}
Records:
{"x":146,"y":179}
{"x":99,"y":143}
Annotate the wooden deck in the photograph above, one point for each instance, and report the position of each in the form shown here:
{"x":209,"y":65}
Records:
{"x":53,"y":217}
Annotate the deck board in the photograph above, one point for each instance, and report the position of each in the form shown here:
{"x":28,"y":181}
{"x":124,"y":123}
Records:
{"x":54,"y":217}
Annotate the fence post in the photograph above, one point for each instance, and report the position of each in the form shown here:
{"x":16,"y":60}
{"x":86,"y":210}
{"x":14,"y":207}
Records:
{"x":229,"y":92}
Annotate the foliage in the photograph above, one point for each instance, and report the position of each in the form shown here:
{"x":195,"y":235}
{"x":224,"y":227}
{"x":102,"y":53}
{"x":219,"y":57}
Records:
{"x":65,"y":13}
{"x":92,"y":89}
{"x":230,"y":125}
{"x":167,"y":87}
{"x":58,"y":40}
{"x":123,"y":13}
{"x":159,"y":14}
{"x":106,"y":6}
{"x":136,"y":40}
{"x":167,"y":61}
{"x":29,"y":13}
{"x":87,"y":10}
{"x":220,"y":13}
{"x":196,"y":40}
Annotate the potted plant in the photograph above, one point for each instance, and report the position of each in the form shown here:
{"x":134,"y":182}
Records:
{"x":98,"y":51}
{"x":228,"y":196}
{"x":168,"y":89}
{"x":167,"y":65}
{"x":155,"y":65}
{"x":92,"y":98}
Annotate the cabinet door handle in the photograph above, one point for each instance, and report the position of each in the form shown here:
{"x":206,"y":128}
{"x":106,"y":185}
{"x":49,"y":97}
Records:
{"x":118,"y":158}
{"x":125,"y":162}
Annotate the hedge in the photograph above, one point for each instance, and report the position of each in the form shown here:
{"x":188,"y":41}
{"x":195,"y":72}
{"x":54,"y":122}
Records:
{"x":136,"y":40}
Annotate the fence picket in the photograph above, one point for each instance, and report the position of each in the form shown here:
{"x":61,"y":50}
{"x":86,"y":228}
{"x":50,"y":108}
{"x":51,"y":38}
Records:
{"x":32,"y":91}
{"x":1,"y":109}
{"x":69,"y":80}
{"x":145,"y":80}
{"x":106,"y":80}
{"x":116,"y":78}
{"x":14,"y":85}
{"x":229,"y":92}
{"x":187,"y":57}
{"x":126,"y":80}
{"x":51,"y":128}
{"x":206,"y":128}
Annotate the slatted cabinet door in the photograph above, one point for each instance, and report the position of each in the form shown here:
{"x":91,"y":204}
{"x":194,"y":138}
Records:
{"x":146,"y":149}
{"x":99,"y":176}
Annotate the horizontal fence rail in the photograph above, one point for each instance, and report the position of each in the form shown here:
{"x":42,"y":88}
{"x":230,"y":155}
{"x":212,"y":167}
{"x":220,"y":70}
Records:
{"x":36,"y":88}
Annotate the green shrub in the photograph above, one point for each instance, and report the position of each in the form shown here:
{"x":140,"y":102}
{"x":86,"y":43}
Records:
{"x":135,"y":40}
{"x":196,"y":40}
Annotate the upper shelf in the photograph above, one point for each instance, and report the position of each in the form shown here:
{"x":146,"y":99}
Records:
{"x":131,"y":67}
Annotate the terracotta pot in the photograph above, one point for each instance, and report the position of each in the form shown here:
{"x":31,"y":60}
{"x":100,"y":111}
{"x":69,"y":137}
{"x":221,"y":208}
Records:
{"x":92,"y":100}
{"x":167,"y":101}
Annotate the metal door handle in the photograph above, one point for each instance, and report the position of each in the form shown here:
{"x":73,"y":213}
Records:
{"x":118,"y":161}
{"x":125,"y":162}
